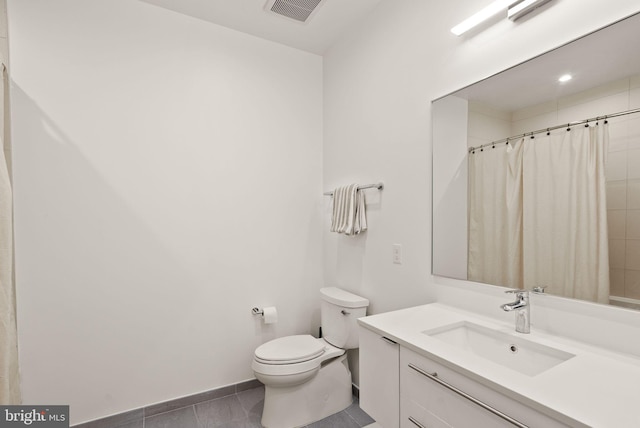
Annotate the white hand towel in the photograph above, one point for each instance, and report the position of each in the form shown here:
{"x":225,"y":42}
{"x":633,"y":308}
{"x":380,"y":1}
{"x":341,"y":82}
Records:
{"x":361,"y":213}
{"x":349,"y":215}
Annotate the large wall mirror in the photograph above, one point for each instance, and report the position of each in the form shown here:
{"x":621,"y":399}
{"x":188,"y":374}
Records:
{"x":536,"y":179}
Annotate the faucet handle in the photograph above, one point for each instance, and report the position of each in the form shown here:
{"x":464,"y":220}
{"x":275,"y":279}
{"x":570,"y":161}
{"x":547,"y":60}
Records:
{"x":539,"y":289}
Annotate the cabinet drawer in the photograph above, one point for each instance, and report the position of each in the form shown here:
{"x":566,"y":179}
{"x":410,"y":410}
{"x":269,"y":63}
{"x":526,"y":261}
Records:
{"x":446,"y":406}
{"x":419,"y":417}
{"x":460,"y":401}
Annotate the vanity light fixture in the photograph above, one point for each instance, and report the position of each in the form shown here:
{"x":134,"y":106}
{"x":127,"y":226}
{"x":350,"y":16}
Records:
{"x":481,"y":16}
{"x":523,"y":7}
{"x":565,"y":78}
{"x":515,"y":9}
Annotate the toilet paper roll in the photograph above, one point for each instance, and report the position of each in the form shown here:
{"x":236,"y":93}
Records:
{"x":270,"y":315}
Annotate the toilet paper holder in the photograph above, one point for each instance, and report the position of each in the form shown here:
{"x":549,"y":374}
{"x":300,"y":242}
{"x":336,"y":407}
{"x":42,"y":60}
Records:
{"x":268,"y":314}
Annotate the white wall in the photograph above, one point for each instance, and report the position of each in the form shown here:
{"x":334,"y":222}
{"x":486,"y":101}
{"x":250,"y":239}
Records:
{"x":378,"y":84}
{"x":487,"y":125}
{"x":376,"y":129}
{"x":451,"y":114}
{"x":167,"y":180}
{"x":458,"y":124}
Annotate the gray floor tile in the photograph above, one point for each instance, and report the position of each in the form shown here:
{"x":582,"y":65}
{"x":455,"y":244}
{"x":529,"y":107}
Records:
{"x":247,"y":423}
{"x":359,"y":415}
{"x":240,"y":410}
{"x":136,"y":424}
{"x":253,"y":421}
{"x":130,"y":419}
{"x":220,"y":413}
{"x":132,"y":424}
{"x":252,"y":401}
{"x":181,"y":418}
{"x":339,"y":420}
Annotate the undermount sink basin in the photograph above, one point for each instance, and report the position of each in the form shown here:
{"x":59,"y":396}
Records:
{"x":507,"y":350}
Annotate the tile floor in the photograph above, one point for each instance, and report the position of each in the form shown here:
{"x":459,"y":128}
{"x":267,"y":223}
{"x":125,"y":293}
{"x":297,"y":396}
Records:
{"x":239,"y":410}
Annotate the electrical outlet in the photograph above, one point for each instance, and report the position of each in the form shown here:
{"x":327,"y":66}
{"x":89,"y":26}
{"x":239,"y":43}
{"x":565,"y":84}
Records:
{"x":397,"y":254}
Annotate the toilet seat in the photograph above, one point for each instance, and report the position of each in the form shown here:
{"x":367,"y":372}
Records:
{"x":298,"y":361}
{"x":290,"y":350}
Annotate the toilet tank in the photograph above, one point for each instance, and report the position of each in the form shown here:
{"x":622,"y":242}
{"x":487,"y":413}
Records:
{"x":339,"y":311}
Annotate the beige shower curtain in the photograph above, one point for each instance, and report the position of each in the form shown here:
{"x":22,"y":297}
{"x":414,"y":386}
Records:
{"x":565,"y":213}
{"x":9,"y":374}
{"x":495,"y":215}
{"x":537,"y":214}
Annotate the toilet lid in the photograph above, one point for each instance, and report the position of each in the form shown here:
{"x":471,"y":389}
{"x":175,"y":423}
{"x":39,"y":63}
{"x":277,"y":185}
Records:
{"x":290,"y":349}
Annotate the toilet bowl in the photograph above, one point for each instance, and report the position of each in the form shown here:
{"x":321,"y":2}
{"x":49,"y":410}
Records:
{"x":292,"y":360}
{"x":306,"y":378}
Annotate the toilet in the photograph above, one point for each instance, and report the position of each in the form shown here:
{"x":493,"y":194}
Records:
{"x":307,"y":379}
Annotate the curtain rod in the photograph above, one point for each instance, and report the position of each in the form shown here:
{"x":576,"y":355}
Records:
{"x":568,"y":125}
{"x":378,"y":186}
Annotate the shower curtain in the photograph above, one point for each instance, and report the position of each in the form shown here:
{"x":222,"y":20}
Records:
{"x":9,"y":375}
{"x":537,"y":214}
{"x":565,"y":222}
{"x":495,"y":215}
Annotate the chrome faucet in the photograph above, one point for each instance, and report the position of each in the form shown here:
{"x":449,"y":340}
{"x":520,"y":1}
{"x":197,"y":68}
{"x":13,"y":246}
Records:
{"x":521,"y":305}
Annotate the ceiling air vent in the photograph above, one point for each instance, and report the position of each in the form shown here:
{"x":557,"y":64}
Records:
{"x":298,"y":10}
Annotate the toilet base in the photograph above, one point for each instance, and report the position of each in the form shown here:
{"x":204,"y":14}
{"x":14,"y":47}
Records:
{"x":326,"y":393}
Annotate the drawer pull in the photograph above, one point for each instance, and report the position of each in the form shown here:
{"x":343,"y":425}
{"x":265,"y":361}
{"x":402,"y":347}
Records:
{"x":434,"y":377}
{"x":386,"y":339}
{"x":416,"y":423}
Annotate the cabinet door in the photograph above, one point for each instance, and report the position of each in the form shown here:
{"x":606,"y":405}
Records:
{"x":380,"y":378}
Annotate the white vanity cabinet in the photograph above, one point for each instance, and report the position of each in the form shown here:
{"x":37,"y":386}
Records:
{"x":432,"y":395}
{"x":380,"y":378}
{"x":400,"y":388}
{"x":464,"y":379}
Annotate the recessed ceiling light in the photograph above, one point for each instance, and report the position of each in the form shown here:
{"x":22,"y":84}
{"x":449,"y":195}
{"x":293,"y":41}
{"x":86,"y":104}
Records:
{"x":565,"y":78}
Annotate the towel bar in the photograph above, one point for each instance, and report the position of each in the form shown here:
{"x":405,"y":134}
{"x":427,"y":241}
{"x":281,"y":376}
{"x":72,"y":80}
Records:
{"x":378,"y":186}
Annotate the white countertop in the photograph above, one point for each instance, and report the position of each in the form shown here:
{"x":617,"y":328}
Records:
{"x":596,"y":388}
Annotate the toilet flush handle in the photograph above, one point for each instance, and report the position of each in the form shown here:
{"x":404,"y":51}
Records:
{"x":343,"y":312}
